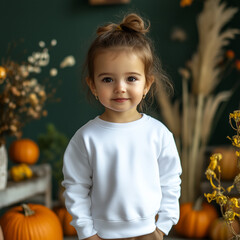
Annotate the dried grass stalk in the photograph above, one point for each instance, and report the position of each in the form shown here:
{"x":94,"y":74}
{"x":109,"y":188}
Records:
{"x":199,"y":105}
{"x":211,"y":106}
{"x":211,"y":42}
{"x":169,"y":112}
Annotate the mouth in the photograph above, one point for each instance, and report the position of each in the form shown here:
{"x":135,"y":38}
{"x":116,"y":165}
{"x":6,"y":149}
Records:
{"x":120,"y":100}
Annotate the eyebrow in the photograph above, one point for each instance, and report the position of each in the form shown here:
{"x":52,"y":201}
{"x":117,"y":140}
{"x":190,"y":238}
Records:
{"x":128,"y":73}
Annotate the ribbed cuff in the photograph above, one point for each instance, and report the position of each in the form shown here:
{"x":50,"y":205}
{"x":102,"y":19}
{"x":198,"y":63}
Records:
{"x":164,"y":224}
{"x":85,"y":232}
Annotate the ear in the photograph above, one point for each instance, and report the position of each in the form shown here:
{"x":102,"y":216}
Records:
{"x":149,"y":82}
{"x":91,"y":85}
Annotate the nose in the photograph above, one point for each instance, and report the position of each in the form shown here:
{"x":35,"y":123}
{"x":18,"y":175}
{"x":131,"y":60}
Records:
{"x":120,"y":87}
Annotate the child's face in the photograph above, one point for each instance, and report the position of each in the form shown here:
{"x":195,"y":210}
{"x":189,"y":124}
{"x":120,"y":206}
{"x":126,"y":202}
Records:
{"x":119,"y":81}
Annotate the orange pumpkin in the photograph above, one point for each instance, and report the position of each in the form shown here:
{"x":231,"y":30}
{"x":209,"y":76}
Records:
{"x":228,"y":163}
{"x":195,"y":220}
{"x":65,"y":219}
{"x":32,"y":221}
{"x":219,"y":230}
{"x":24,"y":151}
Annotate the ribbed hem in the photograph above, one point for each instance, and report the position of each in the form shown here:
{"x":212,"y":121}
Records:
{"x":110,"y":230}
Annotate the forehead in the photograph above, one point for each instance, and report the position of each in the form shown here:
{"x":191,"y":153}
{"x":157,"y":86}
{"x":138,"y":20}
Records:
{"x":123,"y":57}
{"x":115,"y":51}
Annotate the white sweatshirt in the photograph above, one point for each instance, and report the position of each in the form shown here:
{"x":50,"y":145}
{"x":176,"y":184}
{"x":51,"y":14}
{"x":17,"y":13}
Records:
{"x":118,"y":176}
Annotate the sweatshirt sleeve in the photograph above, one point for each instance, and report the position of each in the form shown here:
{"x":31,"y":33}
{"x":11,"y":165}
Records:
{"x":77,"y":182}
{"x":170,"y":171}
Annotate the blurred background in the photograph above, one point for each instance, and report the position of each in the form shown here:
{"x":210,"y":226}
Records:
{"x":73,"y":24}
{"x":67,"y":27}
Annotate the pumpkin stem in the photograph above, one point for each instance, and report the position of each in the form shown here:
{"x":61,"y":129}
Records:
{"x":27,"y":210}
{"x":198,"y":204}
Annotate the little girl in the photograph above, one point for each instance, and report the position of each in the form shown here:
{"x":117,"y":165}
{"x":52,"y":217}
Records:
{"x":122,"y":168}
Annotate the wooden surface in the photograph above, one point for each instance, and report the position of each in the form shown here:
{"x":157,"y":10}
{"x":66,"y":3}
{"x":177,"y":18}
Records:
{"x":39,"y":184}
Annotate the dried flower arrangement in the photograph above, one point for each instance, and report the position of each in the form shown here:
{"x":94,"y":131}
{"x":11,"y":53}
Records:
{"x":230,"y":206}
{"x":22,"y":97}
{"x":194,"y":111}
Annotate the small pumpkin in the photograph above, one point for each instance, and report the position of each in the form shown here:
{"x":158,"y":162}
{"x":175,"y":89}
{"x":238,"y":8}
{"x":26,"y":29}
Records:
{"x":228,"y":163}
{"x":20,"y":172}
{"x":65,"y":219}
{"x":61,"y":198}
{"x":219,"y":230}
{"x":195,"y":220}
{"x":32,"y":221}
{"x":24,"y":151}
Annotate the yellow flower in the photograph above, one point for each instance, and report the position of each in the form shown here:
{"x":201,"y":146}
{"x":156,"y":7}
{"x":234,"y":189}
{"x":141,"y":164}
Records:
{"x":235,"y":115}
{"x":218,"y":196}
{"x":229,"y":206}
{"x":15,"y":91}
{"x":211,"y":196}
{"x":221,"y":200}
{"x":33,"y":99}
{"x":229,"y":189}
{"x":236,"y":141}
{"x":42,"y":94}
{"x":230,"y":215}
{"x":210,"y":173}
{"x":234,"y":202}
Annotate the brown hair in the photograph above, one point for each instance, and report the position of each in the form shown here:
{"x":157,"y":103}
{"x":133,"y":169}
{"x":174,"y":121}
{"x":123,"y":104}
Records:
{"x":130,"y":33}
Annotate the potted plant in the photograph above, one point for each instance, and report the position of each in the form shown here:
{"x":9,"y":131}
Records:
{"x":52,"y":145}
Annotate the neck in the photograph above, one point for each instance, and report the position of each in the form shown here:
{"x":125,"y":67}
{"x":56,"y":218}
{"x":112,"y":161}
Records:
{"x":120,"y":117}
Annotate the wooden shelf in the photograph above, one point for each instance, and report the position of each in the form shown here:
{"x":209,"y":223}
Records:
{"x":39,"y":184}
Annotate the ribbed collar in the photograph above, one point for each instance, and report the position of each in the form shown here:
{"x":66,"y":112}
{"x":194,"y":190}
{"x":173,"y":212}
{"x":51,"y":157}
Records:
{"x":128,"y":125}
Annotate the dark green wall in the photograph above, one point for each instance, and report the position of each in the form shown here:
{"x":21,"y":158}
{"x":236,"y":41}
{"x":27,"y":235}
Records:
{"x":73,"y":24}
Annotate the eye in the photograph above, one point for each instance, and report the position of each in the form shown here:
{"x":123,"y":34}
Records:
{"x":107,"y":80}
{"x":131,"y":79}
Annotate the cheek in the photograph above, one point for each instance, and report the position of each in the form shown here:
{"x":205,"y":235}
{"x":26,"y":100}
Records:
{"x":103,"y":92}
{"x":139,"y":91}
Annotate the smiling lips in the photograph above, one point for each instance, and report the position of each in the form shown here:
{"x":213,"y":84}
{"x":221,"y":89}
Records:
{"x":120,"y":100}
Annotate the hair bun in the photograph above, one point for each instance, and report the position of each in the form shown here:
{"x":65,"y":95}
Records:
{"x":132,"y":22}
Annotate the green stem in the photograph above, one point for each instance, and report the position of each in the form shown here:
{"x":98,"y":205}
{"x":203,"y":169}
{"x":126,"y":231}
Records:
{"x":27,"y":210}
{"x":198,"y":204}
